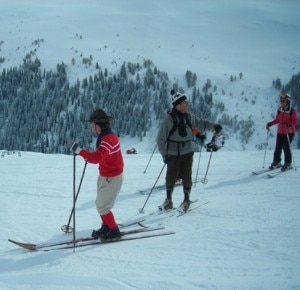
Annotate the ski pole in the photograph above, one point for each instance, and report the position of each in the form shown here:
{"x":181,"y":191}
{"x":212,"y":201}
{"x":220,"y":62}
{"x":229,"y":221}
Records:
{"x":150,"y":158}
{"x":67,"y":228}
{"x":141,"y":210}
{"x":204,"y":180}
{"x":195,"y":182}
{"x":266,"y":147}
{"x":74,"y":198}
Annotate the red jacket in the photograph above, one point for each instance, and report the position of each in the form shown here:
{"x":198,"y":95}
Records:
{"x":108,"y":155}
{"x":287,"y":121}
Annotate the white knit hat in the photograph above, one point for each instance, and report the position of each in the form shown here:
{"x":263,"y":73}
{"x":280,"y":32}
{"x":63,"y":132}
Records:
{"x":177,"y":98}
{"x":287,"y":96}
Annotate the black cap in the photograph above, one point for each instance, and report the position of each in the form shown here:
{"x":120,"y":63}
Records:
{"x":218,"y":128}
{"x":99,"y":117}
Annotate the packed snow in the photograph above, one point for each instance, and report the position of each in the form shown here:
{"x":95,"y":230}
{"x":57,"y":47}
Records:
{"x":244,"y":236}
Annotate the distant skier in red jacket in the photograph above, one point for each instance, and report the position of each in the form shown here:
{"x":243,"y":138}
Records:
{"x":287,"y":121}
{"x":109,"y":157}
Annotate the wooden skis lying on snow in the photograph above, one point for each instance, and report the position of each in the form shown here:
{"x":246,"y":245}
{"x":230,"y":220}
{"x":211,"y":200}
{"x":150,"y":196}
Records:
{"x":89,"y":241}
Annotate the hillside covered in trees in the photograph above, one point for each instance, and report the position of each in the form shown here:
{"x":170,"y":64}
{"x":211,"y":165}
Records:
{"x":42,"y":111}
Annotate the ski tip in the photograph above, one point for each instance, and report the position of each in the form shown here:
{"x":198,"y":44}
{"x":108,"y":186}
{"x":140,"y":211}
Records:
{"x":31,"y":247}
{"x":142,"y":225}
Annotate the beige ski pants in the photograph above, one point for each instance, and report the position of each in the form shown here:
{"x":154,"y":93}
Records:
{"x":108,"y":189}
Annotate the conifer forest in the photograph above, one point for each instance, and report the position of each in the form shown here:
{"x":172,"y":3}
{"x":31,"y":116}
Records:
{"x":42,"y":111}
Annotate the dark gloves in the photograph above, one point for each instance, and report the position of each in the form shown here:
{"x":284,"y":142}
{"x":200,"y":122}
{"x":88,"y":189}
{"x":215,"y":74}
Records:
{"x":268,"y":125}
{"x":211,"y":147}
{"x":197,"y":133}
{"x":201,"y":137}
{"x":75,"y":148}
{"x":166,"y":159}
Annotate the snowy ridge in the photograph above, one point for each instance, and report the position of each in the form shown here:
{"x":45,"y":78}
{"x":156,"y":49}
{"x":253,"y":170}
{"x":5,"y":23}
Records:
{"x":217,"y":40}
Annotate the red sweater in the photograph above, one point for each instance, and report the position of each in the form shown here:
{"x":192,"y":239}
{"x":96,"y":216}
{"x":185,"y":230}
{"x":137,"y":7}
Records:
{"x":287,"y":121}
{"x":108,"y":155}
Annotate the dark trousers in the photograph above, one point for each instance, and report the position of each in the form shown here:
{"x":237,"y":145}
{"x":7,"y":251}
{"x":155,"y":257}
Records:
{"x":180,"y":166}
{"x":282,"y":143}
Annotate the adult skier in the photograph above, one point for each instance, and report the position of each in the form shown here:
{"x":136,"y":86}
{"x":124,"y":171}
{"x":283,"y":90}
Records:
{"x":175,"y":144}
{"x":287,"y":121}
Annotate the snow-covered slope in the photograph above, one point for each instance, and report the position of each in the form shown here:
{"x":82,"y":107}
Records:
{"x":245,"y":237}
{"x":213,"y":39}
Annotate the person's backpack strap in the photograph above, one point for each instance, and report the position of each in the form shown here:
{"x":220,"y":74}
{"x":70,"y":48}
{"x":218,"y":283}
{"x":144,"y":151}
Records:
{"x":175,"y":125}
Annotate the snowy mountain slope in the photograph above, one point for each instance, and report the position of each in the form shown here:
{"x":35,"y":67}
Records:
{"x":212,"y":39}
{"x":206,"y":37}
{"x":246,"y":237}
